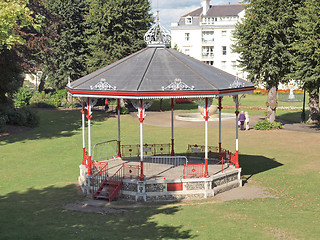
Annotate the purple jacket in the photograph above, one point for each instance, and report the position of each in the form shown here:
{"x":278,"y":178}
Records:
{"x":242,"y":117}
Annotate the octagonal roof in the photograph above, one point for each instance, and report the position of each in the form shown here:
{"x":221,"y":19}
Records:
{"x":158,"y":72}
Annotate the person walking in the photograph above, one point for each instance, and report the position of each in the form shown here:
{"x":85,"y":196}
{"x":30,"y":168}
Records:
{"x":247,"y":120}
{"x":242,"y":118}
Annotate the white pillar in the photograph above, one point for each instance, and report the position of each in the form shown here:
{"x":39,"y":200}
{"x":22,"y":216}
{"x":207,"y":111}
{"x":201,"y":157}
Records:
{"x":89,"y":136}
{"x":84,"y":159}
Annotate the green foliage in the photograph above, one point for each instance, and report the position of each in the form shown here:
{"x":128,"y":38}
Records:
{"x":22,"y":97}
{"x":46,"y":100}
{"x":23,"y":117}
{"x":115,"y":29}
{"x":266,"y":125}
{"x":307,"y":54}
{"x":11,"y":77}
{"x":14,"y":14}
{"x":263,"y":40}
{"x":3,"y":121}
{"x":124,"y":110}
{"x":69,"y":47}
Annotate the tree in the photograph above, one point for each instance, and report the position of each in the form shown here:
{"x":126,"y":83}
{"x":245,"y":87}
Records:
{"x":68,"y":48}
{"x":115,"y":29}
{"x":13,"y":14}
{"x":307,"y":53}
{"x":263,"y":41}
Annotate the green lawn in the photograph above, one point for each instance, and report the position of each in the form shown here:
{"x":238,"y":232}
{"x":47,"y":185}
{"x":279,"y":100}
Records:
{"x":39,"y":170}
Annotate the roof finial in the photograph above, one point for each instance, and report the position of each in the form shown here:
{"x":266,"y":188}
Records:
{"x":157,"y":35}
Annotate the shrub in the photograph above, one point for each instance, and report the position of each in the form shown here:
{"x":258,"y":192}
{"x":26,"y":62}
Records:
{"x":124,"y":110}
{"x":22,"y":97}
{"x":3,"y":121}
{"x":23,"y":117}
{"x":266,"y":125}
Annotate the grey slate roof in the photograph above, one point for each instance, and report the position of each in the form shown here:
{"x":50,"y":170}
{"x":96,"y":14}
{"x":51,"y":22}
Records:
{"x":220,"y":10}
{"x":144,"y":74}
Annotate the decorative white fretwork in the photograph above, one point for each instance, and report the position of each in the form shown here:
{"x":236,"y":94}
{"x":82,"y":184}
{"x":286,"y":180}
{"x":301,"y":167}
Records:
{"x":237,"y":84}
{"x":177,"y":85}
{"x":145,"y":105}
{"x":103,"y":85}
{"x":92,"y":102}
{"x":157,"y":34}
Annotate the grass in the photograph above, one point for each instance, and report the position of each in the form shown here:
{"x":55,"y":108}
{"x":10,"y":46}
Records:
{"x":39,"y":170}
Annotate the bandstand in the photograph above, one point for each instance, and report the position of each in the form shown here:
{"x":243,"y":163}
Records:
{"x":152,"y":172}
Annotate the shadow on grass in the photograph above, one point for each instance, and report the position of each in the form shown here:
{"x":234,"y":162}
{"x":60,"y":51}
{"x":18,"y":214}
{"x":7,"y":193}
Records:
{"x":252,"y":164}
{"x":57,"y":123}
{"x":39,"y":214}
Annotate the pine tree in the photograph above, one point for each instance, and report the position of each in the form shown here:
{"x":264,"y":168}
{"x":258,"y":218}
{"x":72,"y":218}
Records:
{"x":307,"y":53}
{"x":115,"y":29}
{"x":69,"y":48}
{"x":263,"y":40}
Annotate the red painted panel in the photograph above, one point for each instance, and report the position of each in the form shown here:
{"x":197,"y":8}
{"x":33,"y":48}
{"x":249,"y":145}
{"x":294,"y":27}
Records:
{"x":174,"y":187}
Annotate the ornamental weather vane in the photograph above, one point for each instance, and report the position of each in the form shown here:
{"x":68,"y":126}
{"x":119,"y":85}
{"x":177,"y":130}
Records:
{"x":157,"y":35}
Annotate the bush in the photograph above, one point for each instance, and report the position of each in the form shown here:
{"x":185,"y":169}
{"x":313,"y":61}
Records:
{"x":266,"y":125}
{"x":3,"y":121}
{"x":22,"y":97}
{"x":124,"y":110}
{"x":22,"y":117}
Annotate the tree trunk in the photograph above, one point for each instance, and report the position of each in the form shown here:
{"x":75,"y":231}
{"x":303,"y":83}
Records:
{"x":314,"y":107}
{"x":272,"y":104}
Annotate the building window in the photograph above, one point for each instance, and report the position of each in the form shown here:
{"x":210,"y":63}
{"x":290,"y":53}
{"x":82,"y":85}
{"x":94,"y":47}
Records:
{"x":187,"y":36}
{"x":207,"y":36}
{"x":209,"y":62}
{"x":223,"y":64}
{"x":224,"y":50}
{"x":188,"y":20}
{"x":187,"y":51}
{"x":207,"y":52}
{"x":223,"y":33}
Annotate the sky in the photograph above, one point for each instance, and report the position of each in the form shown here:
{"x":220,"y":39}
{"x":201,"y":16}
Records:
{"x":172,"y":10}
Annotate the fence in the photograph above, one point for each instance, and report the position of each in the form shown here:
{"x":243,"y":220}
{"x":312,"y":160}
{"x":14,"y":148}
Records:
{"x":199,"y":151}
{"x":99,"y":178}
{"x":148,"y":149}
{"x":193,"y":170}
{"x":164,"y":166}
{"x":105,"y":150}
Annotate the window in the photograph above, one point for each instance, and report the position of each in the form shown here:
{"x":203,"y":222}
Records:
{"x":187,"y":51}
{"x":207,"y":52}
{"x":209,"y":63}
{"x":188,"y":20}
{"x":207,"y":36}
{"x":187,"y":36}
{"x":223,"y":64}
{"x":224,"y":50}
{"x":223,"y":33}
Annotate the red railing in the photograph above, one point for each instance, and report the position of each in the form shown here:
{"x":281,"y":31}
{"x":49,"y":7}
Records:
{"x":148,"y":149}
{"x":115,"y":184}
{"x":99,"y":179}
{"x":131,"y":171}
{"x":199,"y":151}
{"x":99,"y":167}
{"x":193,"y":170}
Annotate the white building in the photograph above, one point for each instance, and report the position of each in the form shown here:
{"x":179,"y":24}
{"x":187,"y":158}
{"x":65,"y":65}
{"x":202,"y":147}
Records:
{"x":206,"y":34}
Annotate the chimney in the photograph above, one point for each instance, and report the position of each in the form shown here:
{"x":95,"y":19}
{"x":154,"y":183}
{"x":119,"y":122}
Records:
{"x":205,"y":6}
